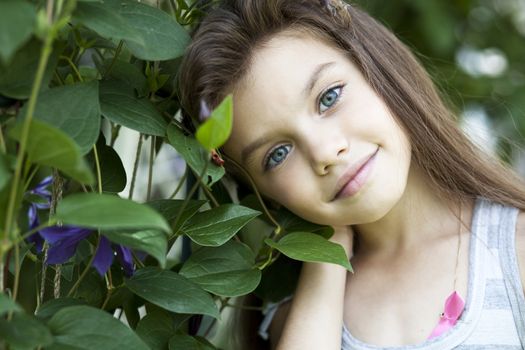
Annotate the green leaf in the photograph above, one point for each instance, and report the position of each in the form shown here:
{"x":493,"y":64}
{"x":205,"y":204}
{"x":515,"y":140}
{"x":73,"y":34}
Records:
{"x":16,"y":80}
{"x":51,"y":307}
{"x":155,"y":243}
{"x":216,"y":226}
{"x":25,"y":331}
{"x":5,"y":170}
{"x":194,"y":155}
{"x":187,"y":342}
{"x":293,"y":223}
{"x":170,"y":209}
{"x":16,"y":25}
{"x":4,"y":198}
{"x":226,"y":271}
{"x":107,"y":212}
{"x":172,"y":292}
{"x":108,"y":23}
{"x":216,"y":130}
{"x":7,"y":305}
{"x":127,"y":73}
{"x":286,"y":219}
{"x":49,"y":146}
{"x":306,"y":246}
{"x":155,"y":329}
{"x":120,"y":105}
{"x":84,"y":327}
{"x":23,"y":250}
{"x":74,"y":109}
{"x":162,"y":37}
{"x":112,"y":170}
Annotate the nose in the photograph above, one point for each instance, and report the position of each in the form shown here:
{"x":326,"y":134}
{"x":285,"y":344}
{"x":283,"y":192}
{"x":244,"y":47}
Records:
{"x":327,"y":149}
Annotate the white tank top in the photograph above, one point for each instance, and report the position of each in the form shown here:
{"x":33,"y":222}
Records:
{"x":494,"y":315}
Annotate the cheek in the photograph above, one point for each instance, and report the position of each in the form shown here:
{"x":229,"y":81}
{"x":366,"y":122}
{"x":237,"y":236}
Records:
{"x":280,"y":190}
{"x":289,"y":187}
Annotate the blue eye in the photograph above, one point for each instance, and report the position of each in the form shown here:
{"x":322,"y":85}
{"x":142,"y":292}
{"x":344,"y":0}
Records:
{"x":276,"y":156}
{"x":329,"y":98}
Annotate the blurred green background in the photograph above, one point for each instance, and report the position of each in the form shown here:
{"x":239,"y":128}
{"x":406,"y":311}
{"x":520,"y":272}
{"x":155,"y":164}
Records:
{"x":475,"y":52}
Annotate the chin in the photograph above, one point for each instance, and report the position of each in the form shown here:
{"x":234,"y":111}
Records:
{"x":376,"y":206}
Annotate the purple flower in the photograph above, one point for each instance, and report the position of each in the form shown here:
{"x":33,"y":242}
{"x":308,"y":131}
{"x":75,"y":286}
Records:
{"x":105,"y":254}
{"x":45,"y":196}
{"x":64,"y":240}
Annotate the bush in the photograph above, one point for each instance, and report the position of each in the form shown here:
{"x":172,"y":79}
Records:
{"x":72,"y":73}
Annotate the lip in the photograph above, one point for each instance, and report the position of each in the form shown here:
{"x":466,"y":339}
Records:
{"x":354,"y":177}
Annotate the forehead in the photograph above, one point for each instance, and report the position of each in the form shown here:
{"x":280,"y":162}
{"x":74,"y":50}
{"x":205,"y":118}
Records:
{"x":288,"y":54}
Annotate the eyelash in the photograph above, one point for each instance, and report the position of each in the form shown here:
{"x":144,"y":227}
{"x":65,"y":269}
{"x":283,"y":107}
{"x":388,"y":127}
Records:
{"x":268,"y":157}
{"x":324,"y":93}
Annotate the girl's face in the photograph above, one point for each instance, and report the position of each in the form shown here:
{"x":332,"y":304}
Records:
{"x":305,"y":120}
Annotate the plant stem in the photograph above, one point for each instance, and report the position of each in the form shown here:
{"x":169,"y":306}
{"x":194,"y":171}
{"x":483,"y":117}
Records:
{"x":44,"y":272}
{"x":30,"y":178}
{"x":181,"y":182}
{"x":56,"y":281}
{"x":17,"y":274}
{"x":44,"y":57}
{"x":97,"y":165}
{"x":209,"y":195}
{"x":2,"y":274}
{"x":117,"y":53}
{"x":59,"y":78}
{"x":73,"y":66}
{"x":150,"y":170}
{"x":114,"y":134}
{"x":2,"y":142}
{"x":278,"y":228}
{"x":108,"y":296}
{"x":49,"y":10}
{"x":135,"y":168}
{"x":58,"y":186}
{"x":86,"y":270}
{"x":136,"y":260}
{"x":189,"y":195}
{"x":268,"y":260}
{"x":109,"y":287}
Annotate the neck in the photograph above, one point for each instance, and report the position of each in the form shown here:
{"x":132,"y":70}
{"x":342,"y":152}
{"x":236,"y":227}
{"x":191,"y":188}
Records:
{"x":419,"y":217}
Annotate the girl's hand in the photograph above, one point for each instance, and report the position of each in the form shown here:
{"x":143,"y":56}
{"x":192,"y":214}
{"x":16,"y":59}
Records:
{"x":344,"y":235}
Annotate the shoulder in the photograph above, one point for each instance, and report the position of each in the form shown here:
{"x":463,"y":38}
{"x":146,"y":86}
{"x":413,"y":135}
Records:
{"x":520,"y":244}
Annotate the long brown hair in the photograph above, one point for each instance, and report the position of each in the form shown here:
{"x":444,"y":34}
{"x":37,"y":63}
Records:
{"x":224,"y":43}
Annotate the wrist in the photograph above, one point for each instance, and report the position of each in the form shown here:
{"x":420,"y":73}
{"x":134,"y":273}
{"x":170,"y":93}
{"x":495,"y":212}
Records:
{"x":344,"y":236}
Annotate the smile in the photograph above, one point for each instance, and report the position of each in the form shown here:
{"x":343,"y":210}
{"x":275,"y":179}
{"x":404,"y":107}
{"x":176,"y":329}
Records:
{"x":355,"y":177}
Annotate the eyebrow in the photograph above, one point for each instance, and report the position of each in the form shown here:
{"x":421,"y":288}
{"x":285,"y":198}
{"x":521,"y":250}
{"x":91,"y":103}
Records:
{"x":248,"y":150}
{"x":315,"y":76}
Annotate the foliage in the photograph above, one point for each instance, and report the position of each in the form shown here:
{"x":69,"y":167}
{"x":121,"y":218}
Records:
{"x":73,"y":253}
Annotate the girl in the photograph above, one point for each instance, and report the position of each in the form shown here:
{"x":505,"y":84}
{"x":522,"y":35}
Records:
{"x":336,"y":120}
